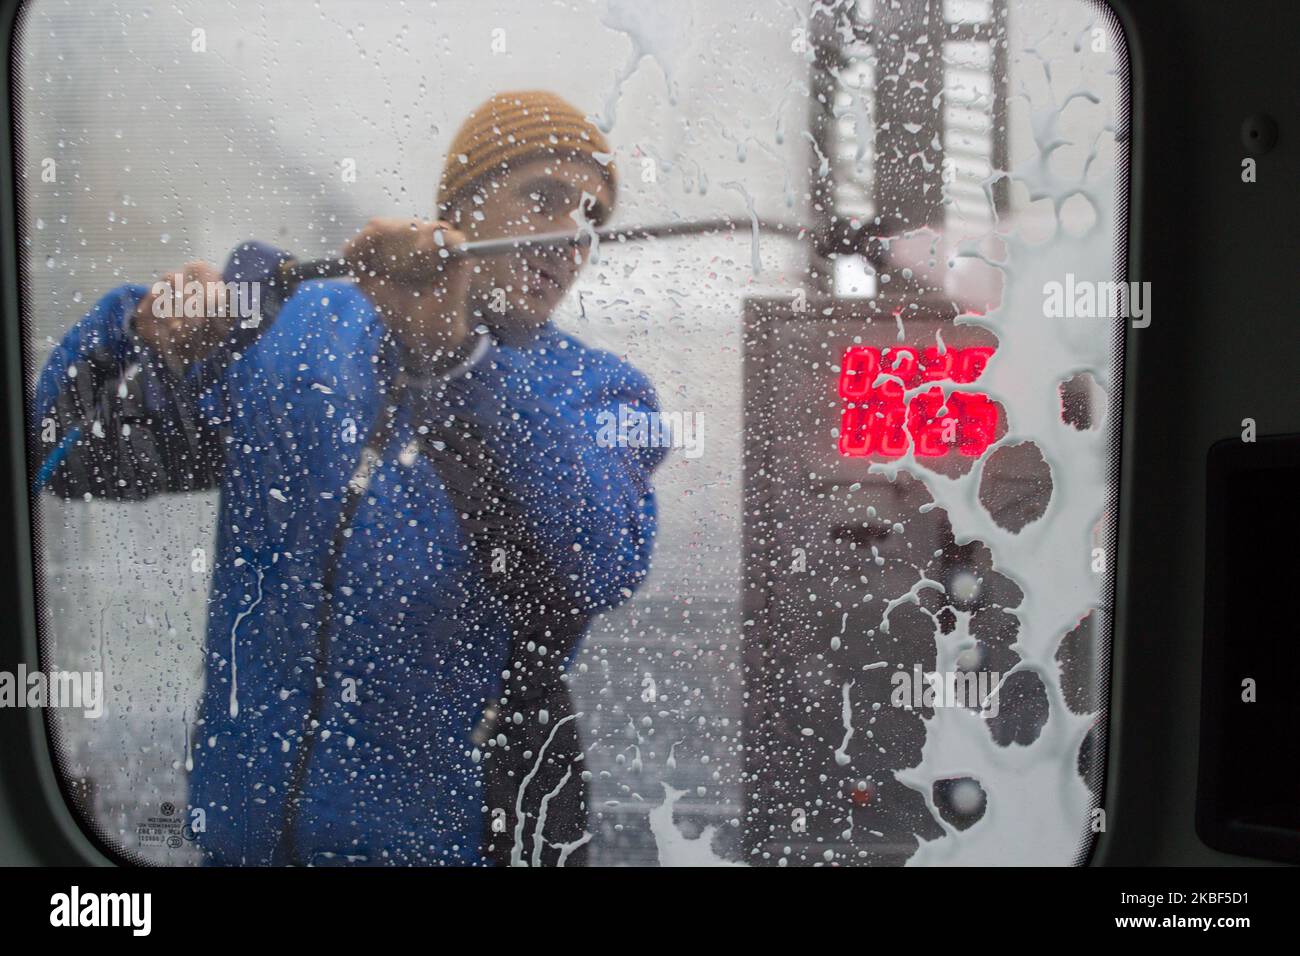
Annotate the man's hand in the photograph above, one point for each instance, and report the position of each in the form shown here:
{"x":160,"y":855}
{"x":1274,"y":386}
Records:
{"x":404,"y":266}
{"x":185,"y":324}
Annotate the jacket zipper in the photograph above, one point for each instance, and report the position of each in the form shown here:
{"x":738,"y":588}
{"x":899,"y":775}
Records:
{"x":371,"y":458}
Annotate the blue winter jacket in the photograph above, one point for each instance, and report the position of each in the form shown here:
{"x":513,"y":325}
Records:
{"x":378,"y":720}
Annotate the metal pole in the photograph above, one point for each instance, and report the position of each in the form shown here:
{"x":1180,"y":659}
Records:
{"x":294,"y":272}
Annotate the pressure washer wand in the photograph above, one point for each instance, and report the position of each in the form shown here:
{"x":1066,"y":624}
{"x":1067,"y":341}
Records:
{"x":293,"y":272}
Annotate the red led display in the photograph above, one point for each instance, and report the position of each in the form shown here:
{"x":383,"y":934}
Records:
{"x":878,"y":422}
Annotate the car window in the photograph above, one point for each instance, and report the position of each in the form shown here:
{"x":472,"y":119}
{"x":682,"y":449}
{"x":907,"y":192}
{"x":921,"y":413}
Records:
{"x":766,"y":517}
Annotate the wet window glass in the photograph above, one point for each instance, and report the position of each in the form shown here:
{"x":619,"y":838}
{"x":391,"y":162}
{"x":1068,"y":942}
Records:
{"x":576,"y":434}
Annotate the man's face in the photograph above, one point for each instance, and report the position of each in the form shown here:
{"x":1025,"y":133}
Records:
{"x":538,"y":196}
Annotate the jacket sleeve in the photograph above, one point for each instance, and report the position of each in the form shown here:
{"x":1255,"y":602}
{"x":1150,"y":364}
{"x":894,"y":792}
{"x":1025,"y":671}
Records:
{"x":585,"y":501}
{"x":112,"y":421}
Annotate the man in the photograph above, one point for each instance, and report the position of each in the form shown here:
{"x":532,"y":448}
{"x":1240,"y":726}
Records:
{"x":416,"y":519}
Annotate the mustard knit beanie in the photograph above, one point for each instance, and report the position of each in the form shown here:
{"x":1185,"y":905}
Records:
{"x":513,"y":127}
